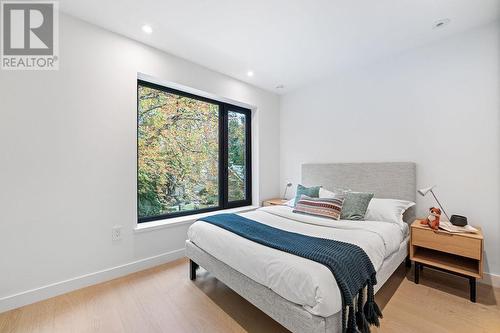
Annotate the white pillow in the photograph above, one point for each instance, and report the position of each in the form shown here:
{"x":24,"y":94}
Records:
{"x":329,"y":194}
{"x":290,"y":203}
{"x":326,"y":194}
{"x":387,"y":210}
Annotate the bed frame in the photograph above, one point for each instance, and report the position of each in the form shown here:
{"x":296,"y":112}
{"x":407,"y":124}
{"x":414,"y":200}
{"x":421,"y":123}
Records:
{"x":386,"y":180}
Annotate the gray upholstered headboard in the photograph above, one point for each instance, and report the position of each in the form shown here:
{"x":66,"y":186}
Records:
{"x":395,"y":180}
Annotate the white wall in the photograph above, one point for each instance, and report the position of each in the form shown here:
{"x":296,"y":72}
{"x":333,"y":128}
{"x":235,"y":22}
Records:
{"x":438,"y":106}
{"x":67,"y":145}
{"x":68,"y":159}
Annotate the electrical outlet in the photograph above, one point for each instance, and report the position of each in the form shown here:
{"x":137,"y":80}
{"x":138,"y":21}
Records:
{"x":116,"y":233}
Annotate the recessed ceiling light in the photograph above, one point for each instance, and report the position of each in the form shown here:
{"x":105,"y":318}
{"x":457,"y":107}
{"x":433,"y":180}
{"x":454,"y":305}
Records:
{"x":250,"y":73}
{"x":441,"y":23}
{"x":147,"y":29}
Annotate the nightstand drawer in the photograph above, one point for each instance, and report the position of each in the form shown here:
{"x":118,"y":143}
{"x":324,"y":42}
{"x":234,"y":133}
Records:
{"x":445,"y":242}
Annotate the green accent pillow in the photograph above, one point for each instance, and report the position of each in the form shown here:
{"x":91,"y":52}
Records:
{"x":355,"y":205}
{"x":312,"y":192}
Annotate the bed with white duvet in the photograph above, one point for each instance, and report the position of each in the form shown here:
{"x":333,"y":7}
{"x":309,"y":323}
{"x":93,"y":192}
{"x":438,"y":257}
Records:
{"x":299,"y":280}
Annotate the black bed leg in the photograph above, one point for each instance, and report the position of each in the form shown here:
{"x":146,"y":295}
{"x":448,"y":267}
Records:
{"x":192,"y":270}
{"x":417,"y":271}
{"x":408,"y":262}
{"x":472,"y":287}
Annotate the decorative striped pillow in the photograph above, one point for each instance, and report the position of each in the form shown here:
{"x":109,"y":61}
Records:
{"x":324,"y":207}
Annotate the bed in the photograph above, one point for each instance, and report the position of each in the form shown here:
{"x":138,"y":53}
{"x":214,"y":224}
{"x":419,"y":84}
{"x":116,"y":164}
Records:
{"x":300,"y":294}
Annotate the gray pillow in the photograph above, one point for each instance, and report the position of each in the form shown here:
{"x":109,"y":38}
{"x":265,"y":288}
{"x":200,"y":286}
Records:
{"x":355,"y":205}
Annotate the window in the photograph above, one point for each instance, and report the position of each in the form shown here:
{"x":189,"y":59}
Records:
{"x":193,"y":154}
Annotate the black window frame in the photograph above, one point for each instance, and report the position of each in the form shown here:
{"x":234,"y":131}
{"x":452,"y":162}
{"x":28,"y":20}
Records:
{"x":224,"y":109}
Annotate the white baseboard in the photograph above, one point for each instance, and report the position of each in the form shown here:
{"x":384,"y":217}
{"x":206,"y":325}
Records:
{"x":490,"y":279}
{"x":38,"y":294}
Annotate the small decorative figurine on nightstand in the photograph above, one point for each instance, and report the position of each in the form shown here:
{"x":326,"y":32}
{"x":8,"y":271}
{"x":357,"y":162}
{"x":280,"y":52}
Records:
{"x":433,"y":219}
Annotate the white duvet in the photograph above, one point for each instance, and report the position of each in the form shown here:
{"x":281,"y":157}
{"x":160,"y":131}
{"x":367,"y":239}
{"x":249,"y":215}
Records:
{"x":296,"y":279}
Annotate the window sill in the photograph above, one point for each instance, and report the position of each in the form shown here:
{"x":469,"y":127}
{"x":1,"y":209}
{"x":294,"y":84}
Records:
{"x":177,"y":221}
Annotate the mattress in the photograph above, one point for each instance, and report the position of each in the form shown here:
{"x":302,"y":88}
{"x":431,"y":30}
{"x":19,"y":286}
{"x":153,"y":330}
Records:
{"x":297,"y":279}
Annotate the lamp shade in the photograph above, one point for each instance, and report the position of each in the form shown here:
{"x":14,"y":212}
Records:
{"x":424,"y":191}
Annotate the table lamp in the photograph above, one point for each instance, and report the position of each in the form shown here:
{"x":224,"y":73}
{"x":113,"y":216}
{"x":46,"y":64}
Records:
{"x":286,"y":188}
{"x":423,"y":192}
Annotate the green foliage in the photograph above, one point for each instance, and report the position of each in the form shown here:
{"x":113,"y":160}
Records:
{"x":178,"y":142}
{"x":178,"y":153}
{"x":236,"y":156}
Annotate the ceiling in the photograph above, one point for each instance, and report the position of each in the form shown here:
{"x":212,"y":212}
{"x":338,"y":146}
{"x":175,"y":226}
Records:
{"x":284,"y":42}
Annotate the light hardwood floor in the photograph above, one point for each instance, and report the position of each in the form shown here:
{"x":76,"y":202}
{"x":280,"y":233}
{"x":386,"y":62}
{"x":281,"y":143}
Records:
{"x":163,"y":299}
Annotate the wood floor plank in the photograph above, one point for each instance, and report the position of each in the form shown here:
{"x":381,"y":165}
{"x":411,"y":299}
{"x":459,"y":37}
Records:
{"x":163,"y":299}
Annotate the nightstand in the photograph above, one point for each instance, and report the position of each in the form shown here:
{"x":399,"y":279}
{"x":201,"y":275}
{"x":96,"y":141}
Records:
{"x":274,"y":202}
{"x":459,"y":254}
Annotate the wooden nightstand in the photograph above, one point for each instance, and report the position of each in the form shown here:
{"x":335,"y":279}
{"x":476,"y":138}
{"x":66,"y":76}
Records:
{"x":459,"y":254}
{"x":274,"y":202}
